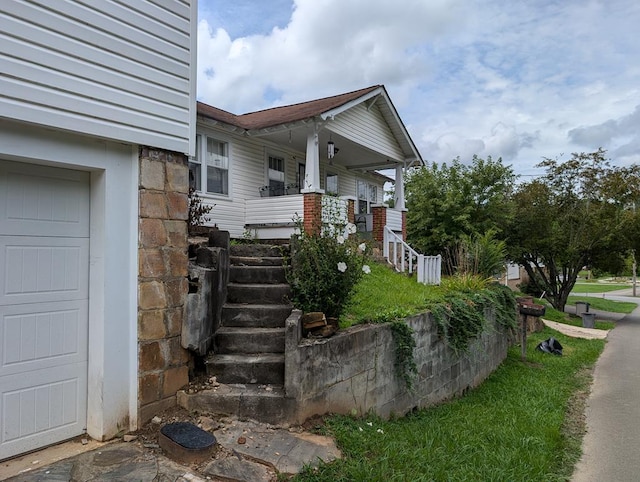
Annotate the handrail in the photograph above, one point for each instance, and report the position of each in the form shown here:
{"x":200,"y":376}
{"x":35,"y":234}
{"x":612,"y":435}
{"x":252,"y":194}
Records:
{"x":406,"y":259}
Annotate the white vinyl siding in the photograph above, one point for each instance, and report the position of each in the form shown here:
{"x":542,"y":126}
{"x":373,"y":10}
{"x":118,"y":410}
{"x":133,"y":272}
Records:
{"x":368,"y":128}
{"x":277,"y":210}
{"x":122,"y":71}
{"x":248,"y":173}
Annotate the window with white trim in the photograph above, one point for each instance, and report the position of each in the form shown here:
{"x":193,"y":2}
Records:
{"x":331,"y":183}
{"x":209,"y":170}
{"x":367,"y":196}
{"x":275,"y":174}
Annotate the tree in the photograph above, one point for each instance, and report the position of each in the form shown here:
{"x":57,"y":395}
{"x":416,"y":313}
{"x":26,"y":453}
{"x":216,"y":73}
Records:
{"x":449,"y":201}
{"x":575,"y":215}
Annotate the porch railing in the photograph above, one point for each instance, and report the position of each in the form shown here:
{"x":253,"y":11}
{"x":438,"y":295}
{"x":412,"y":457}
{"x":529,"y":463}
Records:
{"x":406,"y":259}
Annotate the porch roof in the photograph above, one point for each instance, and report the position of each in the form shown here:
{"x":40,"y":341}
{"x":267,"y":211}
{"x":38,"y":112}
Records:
{"x":288,"y":125}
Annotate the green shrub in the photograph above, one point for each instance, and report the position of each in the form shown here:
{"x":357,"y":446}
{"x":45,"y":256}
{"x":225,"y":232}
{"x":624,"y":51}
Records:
{"x":461,"y":316}
{"x":325,"y":267}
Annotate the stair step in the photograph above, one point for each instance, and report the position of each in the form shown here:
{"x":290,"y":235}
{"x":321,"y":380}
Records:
{"x":258,"y":293}
{"x":249,"y":340}
{"x":264,"y":368}
{"x":255,"y":316}
{"x":256,"y":260}
{"x":266,"y":404}
{"x":257,"y":274}
{"x":258,"y":250}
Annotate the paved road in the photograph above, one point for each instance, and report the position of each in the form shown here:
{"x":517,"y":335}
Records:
{"x":611,"y":447}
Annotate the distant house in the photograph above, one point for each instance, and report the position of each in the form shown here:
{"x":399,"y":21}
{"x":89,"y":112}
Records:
{"x":263,"y":169}
{"x":97,"y":120}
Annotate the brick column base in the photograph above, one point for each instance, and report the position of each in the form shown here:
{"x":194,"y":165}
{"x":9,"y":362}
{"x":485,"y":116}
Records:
{"x":351,"y":211}
{"x":312,"y":220}
{"x":404,"y":225}
{"x":379,"y":222}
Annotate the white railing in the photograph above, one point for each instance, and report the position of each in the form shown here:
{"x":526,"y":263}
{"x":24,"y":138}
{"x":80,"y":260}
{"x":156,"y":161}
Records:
{"x":406,"y":259}
{"x":334,"y":210}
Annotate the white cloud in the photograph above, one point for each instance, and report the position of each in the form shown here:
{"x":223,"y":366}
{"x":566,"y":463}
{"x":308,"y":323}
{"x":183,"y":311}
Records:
{"x":518,"y":80}
{"x":620,"y":136}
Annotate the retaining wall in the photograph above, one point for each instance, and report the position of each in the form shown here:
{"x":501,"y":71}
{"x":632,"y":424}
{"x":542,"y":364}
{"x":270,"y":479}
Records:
{"x":354,"y":372}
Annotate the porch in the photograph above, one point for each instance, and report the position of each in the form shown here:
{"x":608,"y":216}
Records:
{"x":279,"y":217}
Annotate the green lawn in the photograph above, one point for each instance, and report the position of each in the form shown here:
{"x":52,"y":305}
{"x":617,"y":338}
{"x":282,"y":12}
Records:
{"x":520,"y":424}
{"x":598,"y":287}
{"x":384,"y":295}
{"x":604,"y":304}
{"x":569,"y":319}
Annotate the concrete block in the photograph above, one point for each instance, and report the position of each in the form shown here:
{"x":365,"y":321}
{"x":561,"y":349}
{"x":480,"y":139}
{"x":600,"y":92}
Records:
{"x":219,"y":239}
{"x":198,"y":327}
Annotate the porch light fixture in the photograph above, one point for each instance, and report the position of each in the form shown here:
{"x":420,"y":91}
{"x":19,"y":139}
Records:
{"x":331,"y":149}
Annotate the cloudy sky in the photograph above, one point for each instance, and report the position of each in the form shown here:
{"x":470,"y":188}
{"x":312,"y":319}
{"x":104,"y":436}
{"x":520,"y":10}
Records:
{"x":521,"y":80}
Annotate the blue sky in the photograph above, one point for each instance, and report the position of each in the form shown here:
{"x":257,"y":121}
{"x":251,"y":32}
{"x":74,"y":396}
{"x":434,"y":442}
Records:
{"x":521,"y":80}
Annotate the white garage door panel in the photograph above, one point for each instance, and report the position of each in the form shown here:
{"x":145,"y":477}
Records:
{"x":44,"y":305}
{"x":43,"y":408}
{"x":40,"y":336}
{"x":41,"y":269}
{"x":43,"y":201}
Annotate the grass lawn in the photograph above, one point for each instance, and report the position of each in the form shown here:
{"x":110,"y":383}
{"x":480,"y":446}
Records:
{"x":569,"y":319}
{"x":523,"y":423}
{"x":384,"y":295}
{"x":604,"y":304}
{"x":598,"y":287}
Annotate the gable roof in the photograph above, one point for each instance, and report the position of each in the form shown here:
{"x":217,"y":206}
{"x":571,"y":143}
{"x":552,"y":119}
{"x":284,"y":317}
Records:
{"x":282,"y":115}
{"x":286,"y":117}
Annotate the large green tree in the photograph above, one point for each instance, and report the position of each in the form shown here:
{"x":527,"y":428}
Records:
{"x":577,"y":214}
{"x":446,"y":202}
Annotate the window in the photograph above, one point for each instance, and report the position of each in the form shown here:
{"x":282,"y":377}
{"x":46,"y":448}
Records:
{"x":212,"y":175}
{"x":367,"y":196}
{"x":331,"y":184}
{"x":276,"y":175}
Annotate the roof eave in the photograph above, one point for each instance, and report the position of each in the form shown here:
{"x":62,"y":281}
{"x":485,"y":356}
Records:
{"x":348,"y":105}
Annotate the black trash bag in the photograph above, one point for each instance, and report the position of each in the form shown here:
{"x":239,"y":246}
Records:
{"x":550,"y":345}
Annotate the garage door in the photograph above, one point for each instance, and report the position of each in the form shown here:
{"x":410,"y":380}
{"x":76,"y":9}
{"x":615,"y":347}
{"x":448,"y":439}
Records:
{"x":44,"y":270}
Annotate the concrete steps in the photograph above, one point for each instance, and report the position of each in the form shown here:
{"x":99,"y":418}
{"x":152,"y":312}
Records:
{"x":255,"y":315}
{"x":255,"y":369}
{"x":266,"y":403}
{"x":249,"y":345}
{"x":235,"y":339}
{"x":266,"y":274}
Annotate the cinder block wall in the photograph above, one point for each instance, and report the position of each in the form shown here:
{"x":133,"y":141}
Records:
{"x":162,"y":279}
{"x":355,"y":369}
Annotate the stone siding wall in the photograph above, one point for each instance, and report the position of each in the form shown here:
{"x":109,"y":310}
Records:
{"x":162,"y":279}
{"x":355,"y":369}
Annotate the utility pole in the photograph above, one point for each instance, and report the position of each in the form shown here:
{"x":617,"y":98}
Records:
{"x":635,"y":278}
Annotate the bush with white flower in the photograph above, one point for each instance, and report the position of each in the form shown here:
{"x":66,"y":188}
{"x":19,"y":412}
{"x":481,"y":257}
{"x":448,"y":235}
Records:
{"x":325,"y":267}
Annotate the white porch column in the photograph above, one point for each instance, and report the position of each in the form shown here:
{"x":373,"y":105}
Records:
{"x":399,"y":194}
{"x":312,"y":167}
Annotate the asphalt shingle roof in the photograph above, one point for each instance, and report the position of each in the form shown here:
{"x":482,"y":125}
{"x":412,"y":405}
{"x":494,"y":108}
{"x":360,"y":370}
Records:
{"x":282,"y":115}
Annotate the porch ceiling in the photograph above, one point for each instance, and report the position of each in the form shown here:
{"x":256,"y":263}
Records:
{"x":350,"y":154}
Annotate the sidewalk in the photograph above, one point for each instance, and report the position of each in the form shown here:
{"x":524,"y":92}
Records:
{"x":611,"y":447}
{"x":248,"y":452}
